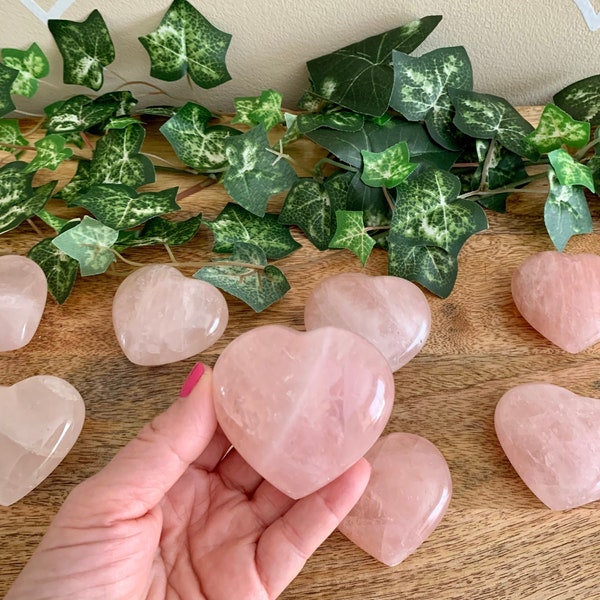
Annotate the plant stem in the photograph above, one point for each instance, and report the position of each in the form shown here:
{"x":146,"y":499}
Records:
{"x":513,"y":189}
{"x":583,"y":151}
{"x":35,"y":227}
{"x":170,"y":253}
{"x":378,"y":228}
{"x":195,"y":188}
{"x":389,"y":199}
{"x":486,"y":165}
{"x":328,"y":161}
{"x":86,"y":140}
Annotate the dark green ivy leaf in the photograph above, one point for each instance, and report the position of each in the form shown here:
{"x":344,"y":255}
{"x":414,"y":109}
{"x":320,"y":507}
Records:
{"x":51,"y":152}
{"x":251,"y":280}
{"x":581,"y":100}
{"x":340,"y":121}
{"x":7,"y":78}
{"x":86,"y":48}
{"x":185,"y":42}
{"x":170,"y":233}
{"x":78,"y":113}
{"x":360,"y":76}
{"x":31,"y":65}
{"x":10,"y":133}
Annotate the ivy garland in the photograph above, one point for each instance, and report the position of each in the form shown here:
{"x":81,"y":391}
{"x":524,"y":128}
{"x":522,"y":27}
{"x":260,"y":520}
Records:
{"x":416,"y":157}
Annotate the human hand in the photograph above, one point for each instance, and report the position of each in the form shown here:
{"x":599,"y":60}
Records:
{"x":175,"y":515}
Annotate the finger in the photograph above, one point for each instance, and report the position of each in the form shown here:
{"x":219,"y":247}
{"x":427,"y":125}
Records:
{"x":214,"y":453}
{"x":269,"y":503}
{"x":145,"y":469}
{"x":237,"y":474}
{"x":289,"y":541}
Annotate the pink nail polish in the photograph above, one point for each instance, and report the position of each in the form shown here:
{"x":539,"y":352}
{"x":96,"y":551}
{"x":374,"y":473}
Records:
{"x":192,"y":379}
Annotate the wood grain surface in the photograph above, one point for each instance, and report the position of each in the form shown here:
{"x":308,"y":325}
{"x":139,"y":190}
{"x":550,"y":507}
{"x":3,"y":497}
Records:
{"x":496,"y":541}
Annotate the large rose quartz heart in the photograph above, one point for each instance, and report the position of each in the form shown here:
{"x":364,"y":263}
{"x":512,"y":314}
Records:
{"x":406,"y":498}
{"x":160,"y":316}
{"x":552,"y":438}
{"x":559,"y":295}
{"x":41,"y":420}
{"x":392,"y":313}
{"x":23,"y":292}
{"x":302,"y":407}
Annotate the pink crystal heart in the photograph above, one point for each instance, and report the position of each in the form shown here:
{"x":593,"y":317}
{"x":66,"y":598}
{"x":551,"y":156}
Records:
{"x":392,"y":313}
{"x":302,"y":407}
{"x":559,"y":295}
{"x":406,"y":498}
{"x":552,"y":439}
{"x":41,"y":420}
{"x":23,"y":292}
{"x":160,"y":316}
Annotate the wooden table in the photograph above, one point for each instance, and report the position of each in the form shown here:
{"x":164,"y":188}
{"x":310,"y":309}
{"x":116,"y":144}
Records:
{"x":496,"y":541}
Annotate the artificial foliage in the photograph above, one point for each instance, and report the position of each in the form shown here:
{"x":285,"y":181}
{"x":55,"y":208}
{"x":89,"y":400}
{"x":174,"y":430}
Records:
{"x":416,"y":157}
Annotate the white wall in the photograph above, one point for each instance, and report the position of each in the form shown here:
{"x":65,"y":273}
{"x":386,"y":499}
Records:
{"x":524,"y":51}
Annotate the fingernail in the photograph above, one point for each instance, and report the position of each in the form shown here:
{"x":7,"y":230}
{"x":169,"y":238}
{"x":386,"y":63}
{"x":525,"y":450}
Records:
{"x":192,"y":379}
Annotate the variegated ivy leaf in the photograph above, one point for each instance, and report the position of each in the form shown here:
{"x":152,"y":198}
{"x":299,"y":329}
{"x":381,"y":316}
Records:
{"x":371,"y":201}
{"x":60,"y":269}
{"x":78,"y":113}
{"x":312,"y":206}
{"x":388,"y":168}
{"x":51,"y":152}
{"x":351,"y":234}
{"x":53,"y":221}
{"x":581,"y":100}
{"x":255,"y":173}
{"x":122,"y":102}
{"x":491,"y":117}
{"x":235,"y":224}
{"x":170,"y":233}
{"x":31,"y":64}
{"x":569,"y":171}
{"x":196,"y":143}
{"x":420,"y":90}
{"x":121,"y":123}
{"x":360,"y":76}
{"x":10,"y":134}
{"x":7,"y":78}
{"x":557,"y":128}
{"x":340,"y":121}
{"x":432,"y":267}
{"x":19,"y":200}
{"x":566,"y":212}
{"x":265,"y":109}
{"x":247,"y":276}
{"x":120,"y":207}
{"x":90,"y":243}
{"x":86,"y":48}
{"x":429,"y":212}
{"x":186,"y":42}
{"x":78,"y":184}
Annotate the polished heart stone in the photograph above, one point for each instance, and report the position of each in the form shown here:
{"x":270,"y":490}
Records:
{"x":23,"y":292}
{"x":41,"y":420}
{"x":302,"y":407}
{"x":552,"y":439}
{"x":559,"y":295}
{"x":405,"y":500}
{"x":160,"y":316}
{"x":392,"y":313}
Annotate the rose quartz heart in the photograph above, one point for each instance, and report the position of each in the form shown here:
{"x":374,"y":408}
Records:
{"x":392,"y":313}
{"x":559,"y":295}
{"x":302,"y":407}
{"x":23,"y":292}
{"x":552,"y":438}
{"x":160,"y":316}
{"x":406,"y":498}
{"x":41,"y":420}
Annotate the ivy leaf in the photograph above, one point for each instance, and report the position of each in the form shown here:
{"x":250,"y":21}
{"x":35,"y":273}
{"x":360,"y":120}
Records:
{"x":312,"y":206}
{"x":569,"y":171}
{"x":388,"y":168}
{"x":195,"y":143}
{"x":78,"y":113}
{"x":340,"y":121}
{"x":566,"y":212}
{"x":251,"y":280}
{"x":59,"y":268}
{"x":86,"y":48}
{"x":121,"y":123}
{"x":89,"y":243}
{"x":254,"y":174}
{"x":10,"y":133}
{"x":120,"y":207}
{"x":7,"y":78}
{"x":265,"y":109}
{"x":18,"y":199}
{"x":170,"y":233}
{"x":491,"y":117}
{"x":369,"y":200}
{"x":185,"y":42}
{"x":360,"y":76}
{"x":421,"y":85}
{"x":429,"y":212}
{"x":432,"y":267}
{"x":53,"y":221}
{"x":235,"y":224}
{"x":31,"y":65}
{"x":79,"y":183}
{"x":51,"y":152}
{"x":556,"y":127}
{"x":581,"y":100}
{"x":350,"y":234}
